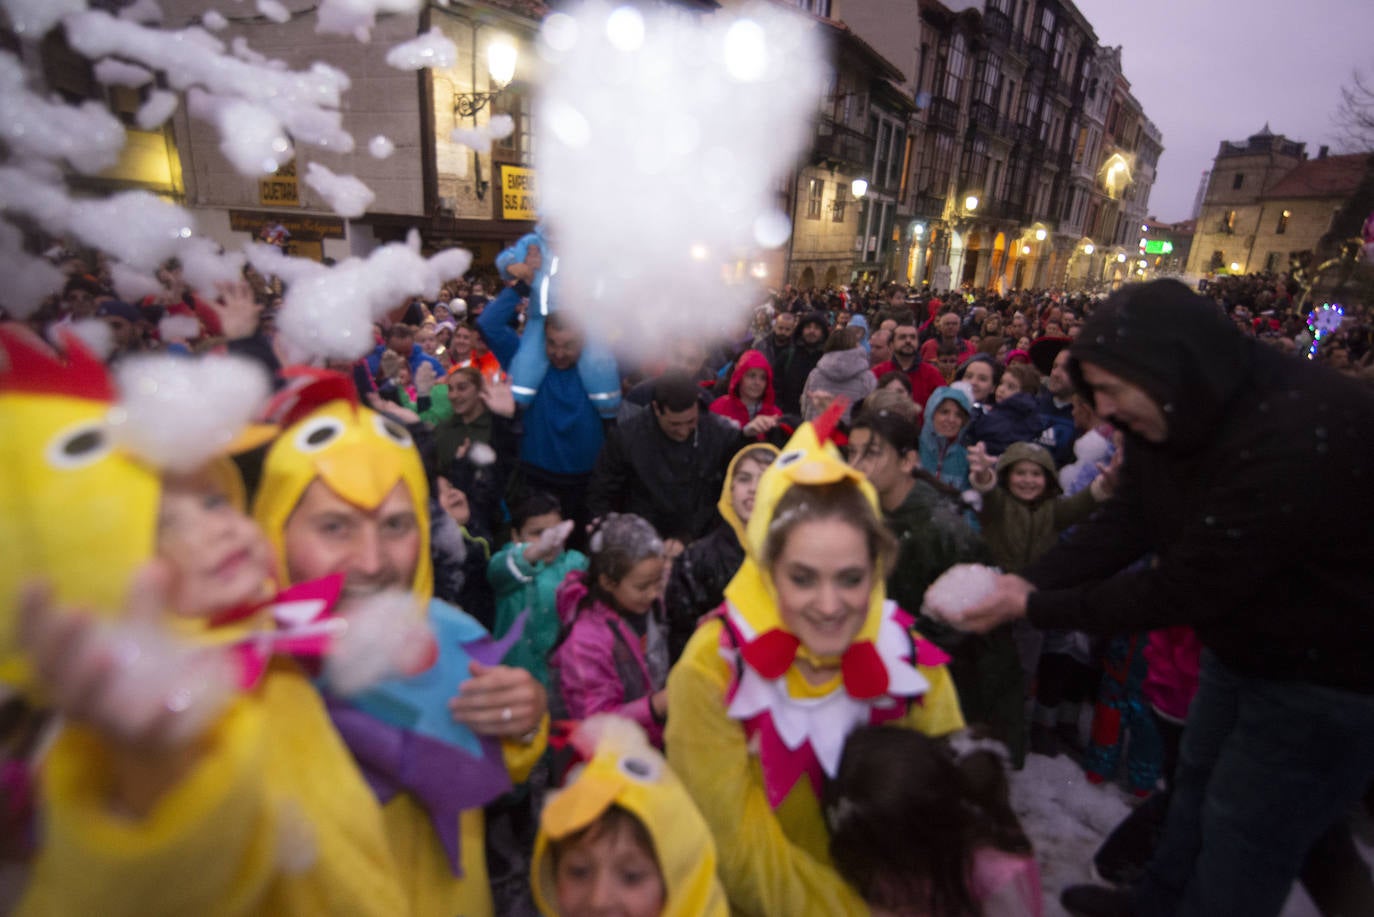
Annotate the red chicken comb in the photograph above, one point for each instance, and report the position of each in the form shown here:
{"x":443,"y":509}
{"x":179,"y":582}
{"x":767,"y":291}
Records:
{"x":29,"y":366}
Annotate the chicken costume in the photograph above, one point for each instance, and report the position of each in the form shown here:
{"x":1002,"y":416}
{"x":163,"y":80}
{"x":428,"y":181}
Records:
{"x":625,"y":770}
{"x":273,"y":816}
{"x":431,"y":774}
{"x":753,"y":740}
{"x":74,"y":508}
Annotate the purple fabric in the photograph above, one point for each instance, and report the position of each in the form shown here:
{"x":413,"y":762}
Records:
{"x":445,"y":779}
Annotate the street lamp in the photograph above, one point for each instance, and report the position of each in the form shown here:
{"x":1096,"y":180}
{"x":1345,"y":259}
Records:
{"x":1121,"y":258}
{"x":1040,"y":235}
{"x":1088,"y":249}
{"x":971,"y":203}
{"x":501,"y":56}
{"x":859,"y":187}
{"x":1025,"y":249}
{"x":1235,"y":267}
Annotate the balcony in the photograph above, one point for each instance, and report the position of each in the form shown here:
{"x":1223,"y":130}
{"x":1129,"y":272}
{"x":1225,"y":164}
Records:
{"x":931,"y":206}
{"x":841,"y":145}
{"x":997,"y":24}
{"x":944,"y":114}
{"x":983,"y":115}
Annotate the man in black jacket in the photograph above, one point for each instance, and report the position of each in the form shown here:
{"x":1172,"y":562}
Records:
{"x":1247,"y":475}
{"x":666,"y":464}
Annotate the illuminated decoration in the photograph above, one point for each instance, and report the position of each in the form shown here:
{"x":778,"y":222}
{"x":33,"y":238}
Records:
{"x":1040,"y":235}
{"x":1116,"y":174}
{"x":1321,"y":322}
{"x":1121,"y":258}
{"x":1159,"y":247}
{"x":1025,"y":249}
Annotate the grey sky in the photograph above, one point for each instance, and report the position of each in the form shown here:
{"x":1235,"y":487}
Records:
{"x":1213,"y":70}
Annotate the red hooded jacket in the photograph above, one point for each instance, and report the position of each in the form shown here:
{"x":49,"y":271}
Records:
{"x":731,"y":406}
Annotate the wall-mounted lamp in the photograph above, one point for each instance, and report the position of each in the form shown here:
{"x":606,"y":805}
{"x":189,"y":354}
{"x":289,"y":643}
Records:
{"x":1088,"y":249}
{"x":501,"y":56}
{"x":1040,"y":235}
{"x":971,"y":203}
{"x":859,"y":187}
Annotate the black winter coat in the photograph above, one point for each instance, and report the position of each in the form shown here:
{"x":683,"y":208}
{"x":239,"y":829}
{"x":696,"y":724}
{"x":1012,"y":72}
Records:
{"x":1259,"y":504}
{"x":673,"y":485}
{"x":697,"y":584}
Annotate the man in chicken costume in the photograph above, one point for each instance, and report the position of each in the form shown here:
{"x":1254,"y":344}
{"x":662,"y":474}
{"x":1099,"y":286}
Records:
{"x":343,"y":490}
{"x":769,"y":687}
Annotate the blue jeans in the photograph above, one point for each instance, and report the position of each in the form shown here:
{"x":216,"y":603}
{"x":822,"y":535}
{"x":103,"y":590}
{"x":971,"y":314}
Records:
{"x":1264,"y":769}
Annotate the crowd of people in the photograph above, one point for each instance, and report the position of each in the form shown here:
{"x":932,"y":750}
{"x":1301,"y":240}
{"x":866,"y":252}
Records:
{"x":687,"y":662}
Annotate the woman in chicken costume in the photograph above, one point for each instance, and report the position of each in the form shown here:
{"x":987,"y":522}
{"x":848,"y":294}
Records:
{"x":805,"y":649}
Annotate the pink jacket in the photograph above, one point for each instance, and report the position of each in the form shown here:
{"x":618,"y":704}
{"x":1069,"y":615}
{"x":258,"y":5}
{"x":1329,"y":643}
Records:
{"x":1173,"y":656}
{"x":600,"y":667}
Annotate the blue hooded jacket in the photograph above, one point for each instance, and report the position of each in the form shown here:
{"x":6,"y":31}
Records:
{"x":1015,"y":420}
{"x":858,"y":321}
{"x":946,"y":459}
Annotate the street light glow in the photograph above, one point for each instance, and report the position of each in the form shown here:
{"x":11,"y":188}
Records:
{"x":1121,"y":258}
{"x":1040,"y":235}
{"x":1025,"y":249}
{"x":501,"y":60}
{"x":859,"y":187}
{"x":1088,"y":249}
{"x":1235,"y":267}
{"x":971,"y":202}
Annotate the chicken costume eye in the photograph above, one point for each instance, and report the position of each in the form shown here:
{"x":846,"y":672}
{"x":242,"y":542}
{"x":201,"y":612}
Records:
{"x":318,"y":432}
{"x":392,"y":431}
{"x":789,"y":457}
{"x":79,"y":446}
{"x":640,"y":770}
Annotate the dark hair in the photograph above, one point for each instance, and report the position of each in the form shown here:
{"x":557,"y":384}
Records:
{"x":842,"y":500}
{"x":895,"y":375}
{"x":906,"y":819}
{"x":948,"y":349}
{"x":617,"y":542}
{"x":1026,"y":376}
{"x":559,"y":321}
{"x":845,"y":338}
{"x":536,"y":503}
{"x":399,"y":330}
{"x":981,"y":357}
{"x":614,"y":821}
{"x":675,"y":391}
{"x":904,"y":435}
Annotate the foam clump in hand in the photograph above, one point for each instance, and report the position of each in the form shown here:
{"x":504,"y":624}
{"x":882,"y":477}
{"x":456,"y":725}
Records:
{"x":385,"y":638}
{"x":961,"y":587}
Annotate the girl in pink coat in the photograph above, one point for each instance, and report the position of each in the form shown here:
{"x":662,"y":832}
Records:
{"x":613,"y":654}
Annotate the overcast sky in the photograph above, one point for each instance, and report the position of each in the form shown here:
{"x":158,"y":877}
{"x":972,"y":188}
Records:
{"x":1213,"y":70}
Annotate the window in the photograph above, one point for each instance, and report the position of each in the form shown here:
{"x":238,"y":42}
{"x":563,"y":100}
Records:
{"x":883,"y":153}
{"x":1271,"y":263}
{"x":1057,"y":61}
{"x":955,"y":64}
{"x":813,"y":203}
{"x":1046,"y":28}
{"x":1237,"y":181}
{"x":518,"y":146}
{"x":1283,"y":223}
{"x":987,"y":81}
{"x":1228,"y":222}
{"x":837,"y":210}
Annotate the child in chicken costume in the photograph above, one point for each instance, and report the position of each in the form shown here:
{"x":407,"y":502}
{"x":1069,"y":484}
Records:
{"x":266,"y":812}
{"x":623,"y":771}
{"x":753,"y":738}
{"x":431,"y":774}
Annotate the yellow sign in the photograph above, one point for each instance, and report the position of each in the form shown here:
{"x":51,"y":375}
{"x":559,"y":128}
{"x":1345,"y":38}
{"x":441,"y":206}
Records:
{"x":517,"y":193}
{"x":279,"y":189}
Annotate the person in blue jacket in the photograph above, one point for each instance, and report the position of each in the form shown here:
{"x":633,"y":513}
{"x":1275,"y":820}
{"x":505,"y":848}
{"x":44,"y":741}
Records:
{"x":563,"y":429}
{"x":401,"y":340}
